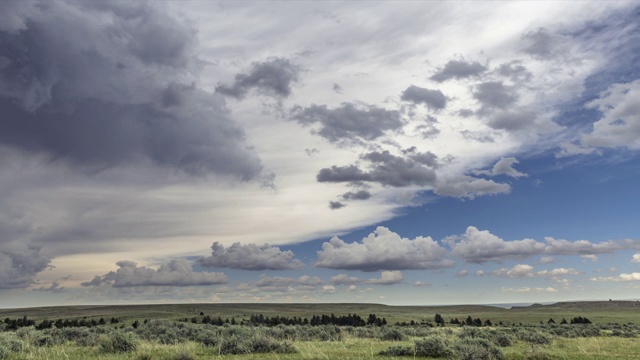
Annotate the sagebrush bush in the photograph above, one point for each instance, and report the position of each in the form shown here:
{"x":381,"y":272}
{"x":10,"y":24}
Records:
{"x":533,"y":336}
{"x":43,"y":340}
{"x":477,"y":349}
{"x":4,"y":352}
{"x":393,"y":334}
{"x":433,"y":346}
{"x":11,"y":343}
{"x":398,"y":351}
{"x":502,"y":339}
{"x":119,"y":342}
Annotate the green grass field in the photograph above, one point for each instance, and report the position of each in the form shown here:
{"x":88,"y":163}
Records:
{"x":173,"y":339}
{"x":598,"y":311}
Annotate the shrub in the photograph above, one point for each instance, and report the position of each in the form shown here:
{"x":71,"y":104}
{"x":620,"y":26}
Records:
{"x":11,"y":344}
{"x":233,"y":346}
{"x":4,"y":352}
{"x":119,"y":342}
{"x":477,"y":349}
{"x":398,"y":351}
{"x":533,"y":337}
{"x":43,"y":340}
{"x":393,"y":334}
{"x":433,"y":346}
{"x":502,"y":339}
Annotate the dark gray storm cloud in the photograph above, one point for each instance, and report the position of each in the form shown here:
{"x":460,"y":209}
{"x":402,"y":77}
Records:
{"x":433,"y":99}
{"x":335,"y":205}
{"x":106,"y":86}
{"x":425,"y":158}
{"x":540,"y":43}
{"x":512,"y":120}
{"x":250,"y":257}
{"x":458,"y":69}
{"x":349,"y":122}
{"x":356,"y":195}
{"x":176,"y":273}
{"x":515,"y":71}
{"x":493,"y":94}
{"x":19,"y":265}
{"x":385,"y":168}
{"x":272,"y":77}
{"x":21,"y":259}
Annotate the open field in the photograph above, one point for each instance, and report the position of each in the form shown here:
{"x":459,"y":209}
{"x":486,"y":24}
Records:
{"x":598,"y":311}
{"x":167,"y":336}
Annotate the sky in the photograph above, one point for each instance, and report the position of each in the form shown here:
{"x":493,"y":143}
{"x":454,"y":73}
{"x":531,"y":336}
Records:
{"x":391,"y":152}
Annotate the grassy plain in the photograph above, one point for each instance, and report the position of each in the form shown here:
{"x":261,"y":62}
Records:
{"x":603,"y":346}
{"x":597,"y":311}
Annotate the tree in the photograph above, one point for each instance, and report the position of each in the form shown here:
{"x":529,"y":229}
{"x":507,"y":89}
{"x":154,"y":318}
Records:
{"x":439,"y":320}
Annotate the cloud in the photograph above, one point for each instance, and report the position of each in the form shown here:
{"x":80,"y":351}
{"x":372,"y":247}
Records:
{"x":335,"y":205}
{"x":284,"y":284}
{"x":113,"y":84}
{"x":513,"y":120}
{"x":433,"y":99}
{"x":272,"y":77}
{"x":520,"y":270}
{"x":383,"y":250}
{"x":493,"y":94}
{"x":470,"y":187}
{"x":479,"y":136}
{"x":557,"y":272}
{"x":584,"y":247}
{"x":480,"y":246}
{"x":458,"y":69}
{"x":619,"y":125}
{"x":19,"y":265}
{"x":527,"y":289}
{"x":547,"y":260}
{"x":515,"y":71}
{"x":476,"y":246}
{"x":421,"y":283}
{"x":504,"y":166}
{"x":250,"y":257}
{"x":385,"y":168}
{"x":622,"y":277}
{"x":356,"y":195}
{"x":541,"y":44}
{"x":636,"y":258}
{"x":53,"y":287}
{"x":387,"y":278}
{"x":348,"y":123}
{"x":344,"y":279}
{"x":524,"y":270}
{"x":462,"y":273}
{"x":176,"y":273}
{"x":329,"y":289}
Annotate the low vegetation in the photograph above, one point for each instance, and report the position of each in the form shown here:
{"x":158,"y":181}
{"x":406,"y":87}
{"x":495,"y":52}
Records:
{"x":321,"y":336}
